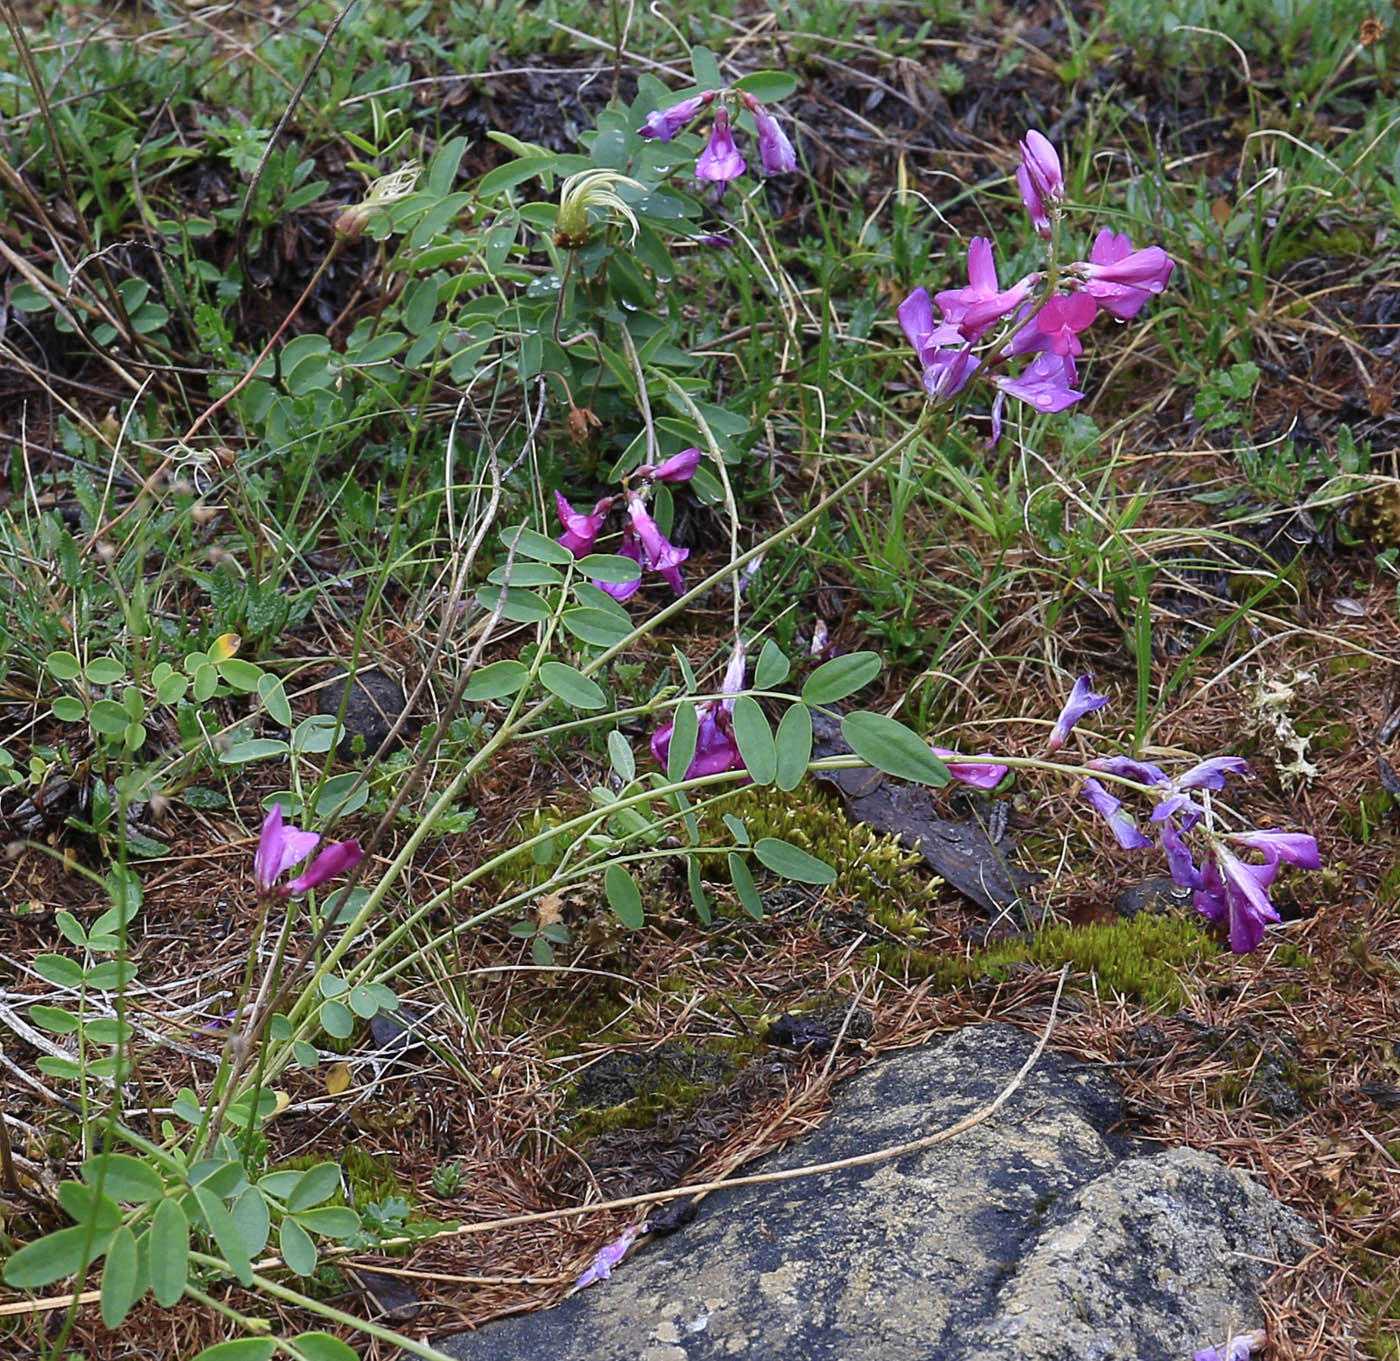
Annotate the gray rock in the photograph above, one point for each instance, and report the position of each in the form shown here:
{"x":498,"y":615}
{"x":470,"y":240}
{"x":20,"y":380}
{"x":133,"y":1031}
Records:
{"x":374,"y":705}
{"x":1034,"y":1235}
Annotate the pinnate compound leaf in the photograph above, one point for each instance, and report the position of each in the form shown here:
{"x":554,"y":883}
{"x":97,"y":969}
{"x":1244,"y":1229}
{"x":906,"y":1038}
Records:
{"x":170,"y":1252}
{"x":783,"y":858}
{"x":755,"y":739}
{"x":794,"y":746}
{"x":841,"y":676}
{"x":892,"y":748}
{"x":624,"y":897}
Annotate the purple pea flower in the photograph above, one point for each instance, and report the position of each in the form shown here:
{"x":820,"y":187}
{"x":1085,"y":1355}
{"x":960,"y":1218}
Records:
{"x":982,"y":302}
{"x":1119,"y":300}
{"x":1045,"y":383}
{"x":678,"y":468}
{"x":1040,"y":179}
{"x":1238,"y":1348}
{"x":1235,"y":893}
{"x":980,"y":773}
{"x":663,"y":124}
{"x":606,"y":1258}
{"x":280,"y":847}
{"x":580,"y":530}
{"x":1056,"y":326}
{"x":1144,"y":772}
{"x":927,"y":337}
{"x":1140,"y":271}
{"x":720,"y":161}
{"x":1120,"y":822}
{"x":1297,"y":848}
{"x":1082,"y":700}
{"x":659,"y":554}
{"x":774,"y":149}
{"x":1178,"y":854}
{"x":715,"y":748}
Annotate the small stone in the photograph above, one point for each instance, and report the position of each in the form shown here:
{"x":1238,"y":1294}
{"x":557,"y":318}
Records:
{"x":374,"y":705}
{"x":1155,"y":896}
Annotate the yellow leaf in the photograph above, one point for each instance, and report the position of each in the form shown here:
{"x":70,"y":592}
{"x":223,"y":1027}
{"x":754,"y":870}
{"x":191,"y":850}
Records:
{"x":337,"y":1078}
{"x":224,"y":647}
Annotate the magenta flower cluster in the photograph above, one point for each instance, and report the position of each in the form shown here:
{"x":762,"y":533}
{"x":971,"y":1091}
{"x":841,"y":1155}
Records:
{"x":281,"y":846}
{"x":1228,"y":891}
{"x":1044,"y":313}
{"x":642,"y":539}
{"x":721,"y":160}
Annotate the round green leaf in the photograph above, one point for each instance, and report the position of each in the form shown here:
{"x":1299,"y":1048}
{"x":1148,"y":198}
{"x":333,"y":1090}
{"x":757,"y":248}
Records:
{"x":337,"y":1020}
{"x":794,"y":746}
{"x":624,"y":897}
{"x":891,"y":747}
{"x":526,"y":574}
{"x":314,"y":1185}
{"x":108,"y":717}
{"x":170,"y":1252}
{"x":240,"y":1349}
{"x":595,"y":626}
{"x":610,"y":567}
{"x":772,"y":668}
{"x":331,"y":1221}
{"x":67,"y":709}
{"x":63,"y":666}
{"x":530,"y":543}
{"x":254,"y":749}
{"x":53,"y":1019}
{"x":254,"y":1223}
{"x":783,"y":858}
{"x":755,"y":739}
{"x":571,"y":687}
{"x":841,"y":676}
{"x":496,"y":680}
{"x":104,"y":671}
{"x":242,"y":676}
{"x":323,"y":1347}
{"x":767,"y":86}
{"x":171,"y":689}
{"x":520,"y":607}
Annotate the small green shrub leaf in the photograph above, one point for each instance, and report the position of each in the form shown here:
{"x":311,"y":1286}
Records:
{"x":122,"y":1285}
{"x":772,"y":668}
{"x":296,"y":1247}
{"x":316,"y":1184}
{"x":530,"y":543}
{"x":685,"y":732}
{"x":124,"y":1178}
{"x":226,"y":1233}
{"x":767,"y":86}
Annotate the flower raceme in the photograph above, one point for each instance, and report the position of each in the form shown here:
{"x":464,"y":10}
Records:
{"x":280,"y":847}
{"x":1229,"y":891}
{"x":1048,"y":313}
{"x":642,"y":539}
{"x":715,"y":748}
{"x":721,"y":160}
